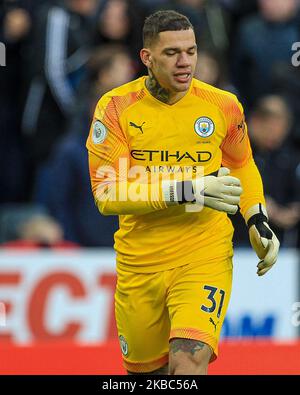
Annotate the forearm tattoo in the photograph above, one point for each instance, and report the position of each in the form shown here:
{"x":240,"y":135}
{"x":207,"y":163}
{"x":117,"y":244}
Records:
{"x":156,"y":89}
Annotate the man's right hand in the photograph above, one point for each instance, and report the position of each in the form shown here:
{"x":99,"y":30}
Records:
{"x":221,"y":192}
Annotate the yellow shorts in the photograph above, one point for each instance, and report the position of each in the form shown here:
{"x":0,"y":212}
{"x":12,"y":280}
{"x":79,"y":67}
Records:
{"x":186,"y":302}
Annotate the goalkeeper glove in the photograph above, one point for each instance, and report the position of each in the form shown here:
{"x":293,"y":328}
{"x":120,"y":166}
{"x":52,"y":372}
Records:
{"x":221,"y":192}
{"x":262,"y":238}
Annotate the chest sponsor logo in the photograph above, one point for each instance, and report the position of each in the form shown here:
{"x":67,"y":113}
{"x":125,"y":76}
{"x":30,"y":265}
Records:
{"x":169,"y":156}
{"x":204,"y":127}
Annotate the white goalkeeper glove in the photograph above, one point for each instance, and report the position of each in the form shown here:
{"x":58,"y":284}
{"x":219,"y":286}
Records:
{"x":221,"y":192}
{"x":262,"y":238}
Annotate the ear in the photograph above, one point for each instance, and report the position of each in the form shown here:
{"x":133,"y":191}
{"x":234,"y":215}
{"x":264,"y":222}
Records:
{"x":145,"y":55}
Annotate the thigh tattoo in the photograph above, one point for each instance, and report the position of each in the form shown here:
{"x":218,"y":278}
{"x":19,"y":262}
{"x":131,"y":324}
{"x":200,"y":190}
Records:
{"x":186,"y":345}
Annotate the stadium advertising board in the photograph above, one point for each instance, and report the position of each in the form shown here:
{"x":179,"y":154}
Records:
{"x":69,"y":296}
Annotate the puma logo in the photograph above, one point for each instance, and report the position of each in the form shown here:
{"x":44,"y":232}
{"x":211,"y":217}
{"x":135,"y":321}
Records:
{"x":213,"y":322}
{"x":242,"y":127}
{"x":137,"y":126}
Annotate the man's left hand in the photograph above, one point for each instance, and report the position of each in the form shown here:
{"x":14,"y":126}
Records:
{"x":263,"y":241}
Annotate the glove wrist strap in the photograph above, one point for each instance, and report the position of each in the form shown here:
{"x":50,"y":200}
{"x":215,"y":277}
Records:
{"x":178,"y":192}
{"x":258,"y":218}
{"x":185,"y":192}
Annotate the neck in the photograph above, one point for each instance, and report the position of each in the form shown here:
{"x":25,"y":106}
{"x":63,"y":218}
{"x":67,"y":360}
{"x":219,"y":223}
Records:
{"x":156,"y":89}
{"x":160,"y":93}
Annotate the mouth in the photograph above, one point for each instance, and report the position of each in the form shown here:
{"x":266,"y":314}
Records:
{"x":182,"y":78}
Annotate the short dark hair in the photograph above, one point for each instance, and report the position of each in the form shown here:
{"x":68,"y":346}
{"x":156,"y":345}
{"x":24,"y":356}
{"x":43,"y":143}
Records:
{"x":162,"y":21}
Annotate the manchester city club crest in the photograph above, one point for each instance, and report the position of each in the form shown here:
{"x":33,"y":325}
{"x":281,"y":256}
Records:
{"x":124,"y":345}
{"x":204,"y":127}
{"x":99,"y":132}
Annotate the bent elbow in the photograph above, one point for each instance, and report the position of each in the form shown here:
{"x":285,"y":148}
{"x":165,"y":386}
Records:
{"x":106,"y":208}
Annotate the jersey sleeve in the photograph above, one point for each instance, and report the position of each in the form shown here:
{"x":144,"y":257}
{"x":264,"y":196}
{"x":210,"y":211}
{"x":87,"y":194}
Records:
{"x":236,"y":147}
{"x":109,"y":161}
{"x":237,"y":156}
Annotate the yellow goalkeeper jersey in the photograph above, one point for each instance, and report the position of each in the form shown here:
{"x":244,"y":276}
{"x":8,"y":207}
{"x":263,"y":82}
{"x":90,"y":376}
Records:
{"x":137,"y":138}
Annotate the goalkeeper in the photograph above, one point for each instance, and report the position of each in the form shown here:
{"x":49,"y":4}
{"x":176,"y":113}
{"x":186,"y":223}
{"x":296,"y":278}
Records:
{"x":174,"y":243}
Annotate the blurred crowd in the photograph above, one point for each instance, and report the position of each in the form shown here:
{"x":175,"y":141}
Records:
{"x":62,"y":55}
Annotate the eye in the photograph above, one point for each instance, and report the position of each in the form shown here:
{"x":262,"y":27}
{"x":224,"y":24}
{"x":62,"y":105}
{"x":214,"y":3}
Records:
{"x":170,"y":53}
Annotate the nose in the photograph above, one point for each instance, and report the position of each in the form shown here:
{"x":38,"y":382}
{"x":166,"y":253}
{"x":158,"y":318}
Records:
{"x":183,"y":60}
